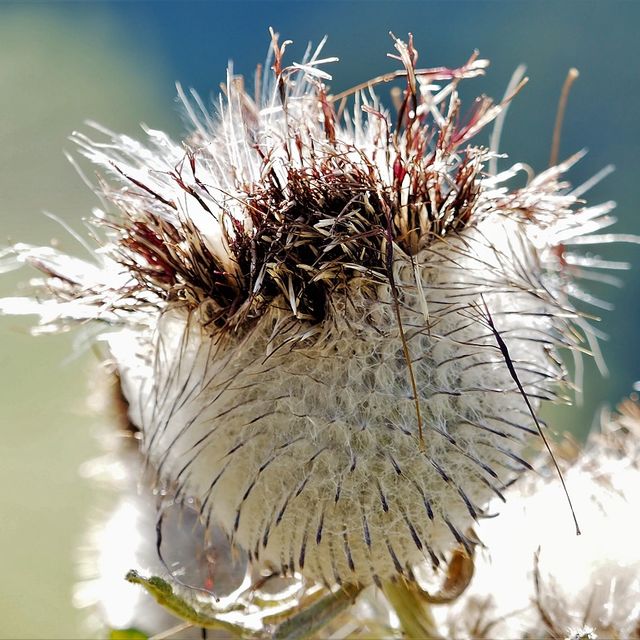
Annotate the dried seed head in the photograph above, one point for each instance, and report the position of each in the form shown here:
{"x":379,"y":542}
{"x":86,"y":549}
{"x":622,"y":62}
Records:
{"x":332,"y":330}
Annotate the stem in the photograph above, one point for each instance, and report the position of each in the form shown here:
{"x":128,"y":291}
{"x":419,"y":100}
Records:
{"x":562,"y":105}
{"x":164,"y":594}
{"x":311,"y":619}
{"x":416,"y":619}
{"x":303,"y":624}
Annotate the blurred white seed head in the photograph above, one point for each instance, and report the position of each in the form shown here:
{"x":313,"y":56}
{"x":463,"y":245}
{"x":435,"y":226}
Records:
{"x":332,"y":325}
{"x":124,"y":536}
{"x":534,"y":579}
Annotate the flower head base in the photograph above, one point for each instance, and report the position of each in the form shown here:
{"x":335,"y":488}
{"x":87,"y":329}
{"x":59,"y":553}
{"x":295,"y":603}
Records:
{"x":332,"y":332}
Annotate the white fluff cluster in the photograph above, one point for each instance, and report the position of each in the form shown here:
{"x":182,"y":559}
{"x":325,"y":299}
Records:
{"x":124,"y":536}
{"x":535,"y":579}
{"x":333,"y":333}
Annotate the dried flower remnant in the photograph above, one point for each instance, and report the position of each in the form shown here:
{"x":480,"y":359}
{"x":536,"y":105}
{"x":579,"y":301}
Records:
{"x":332,"y":326}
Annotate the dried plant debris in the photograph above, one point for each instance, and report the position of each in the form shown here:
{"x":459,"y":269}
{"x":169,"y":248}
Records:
{"x":333,"y":325}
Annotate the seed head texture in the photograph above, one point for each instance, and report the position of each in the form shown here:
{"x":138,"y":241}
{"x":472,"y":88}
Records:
{"x":332,"y":325}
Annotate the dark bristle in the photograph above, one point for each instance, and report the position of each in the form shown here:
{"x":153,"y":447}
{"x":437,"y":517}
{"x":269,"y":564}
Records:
{"x":265,"y":535}
{"x":383,"y":499}
{"x":365,"y":530}
{"x":347,"y":551}
{"x":303,"y":551}
{"x":281,"y":513}
{"x":412,"y":530}
{"x":336,"y":497}
{"x":319,"y":530}
{"x":394,"y":558}
{"x":460,"y":538}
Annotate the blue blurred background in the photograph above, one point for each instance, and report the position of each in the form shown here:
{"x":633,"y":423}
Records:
{"x":117,"y":62}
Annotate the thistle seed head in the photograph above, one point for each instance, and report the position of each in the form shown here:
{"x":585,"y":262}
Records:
{"x":333,"y":326}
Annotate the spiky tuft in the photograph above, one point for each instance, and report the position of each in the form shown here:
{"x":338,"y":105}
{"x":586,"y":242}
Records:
{"x":333,"y":330}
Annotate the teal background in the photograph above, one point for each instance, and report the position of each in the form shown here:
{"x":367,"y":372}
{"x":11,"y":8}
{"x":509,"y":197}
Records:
{"x":116,"y":63}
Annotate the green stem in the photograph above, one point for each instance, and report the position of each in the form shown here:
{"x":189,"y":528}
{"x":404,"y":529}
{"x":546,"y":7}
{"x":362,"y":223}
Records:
{"x":163,"y":593}
{"x":416,"y":620}
{"x":311,"y":619}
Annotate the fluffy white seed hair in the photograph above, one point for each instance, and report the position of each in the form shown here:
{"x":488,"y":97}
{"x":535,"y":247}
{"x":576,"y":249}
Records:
{"x":332,"y":332}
